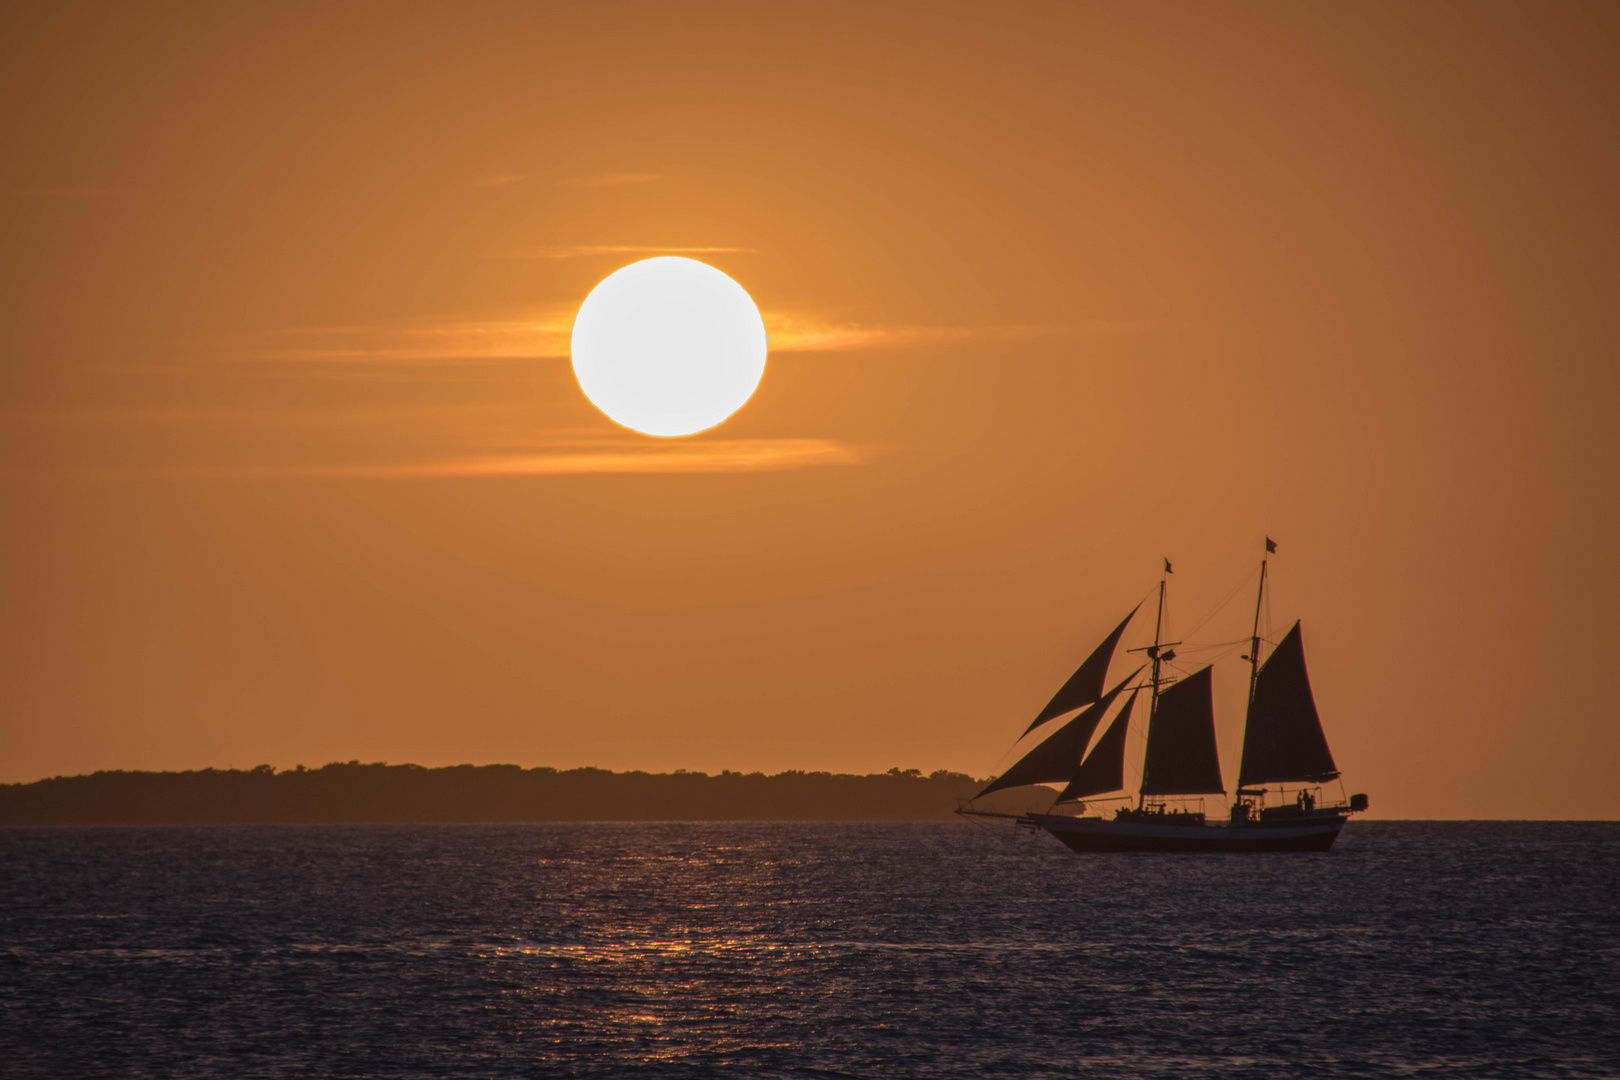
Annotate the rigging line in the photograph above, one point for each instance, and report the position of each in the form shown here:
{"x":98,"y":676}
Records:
{"x":1204,"y":659}
{"x":1222,"y":605}
{"x":1008,"y":752}
{"x":1218,"y":657}
{"x":1269,"y":627}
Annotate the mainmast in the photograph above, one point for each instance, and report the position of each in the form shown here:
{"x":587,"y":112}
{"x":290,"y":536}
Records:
{"x":1254,"y":641}
{"x":1153,"y":653}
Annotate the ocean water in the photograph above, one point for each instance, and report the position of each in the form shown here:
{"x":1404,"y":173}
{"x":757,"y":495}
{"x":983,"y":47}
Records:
{"x":881,"y":950}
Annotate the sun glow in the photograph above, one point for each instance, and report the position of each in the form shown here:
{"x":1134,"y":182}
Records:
{"x":668,"y":346}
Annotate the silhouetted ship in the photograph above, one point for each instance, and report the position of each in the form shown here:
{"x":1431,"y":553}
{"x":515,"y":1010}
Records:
{"x":1283,"y":745}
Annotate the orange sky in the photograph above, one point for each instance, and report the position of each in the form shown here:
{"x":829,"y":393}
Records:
{"x":294,"y":467}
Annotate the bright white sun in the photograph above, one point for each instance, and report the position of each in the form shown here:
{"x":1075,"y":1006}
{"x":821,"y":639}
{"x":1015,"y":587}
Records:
{"x":668,"y":346}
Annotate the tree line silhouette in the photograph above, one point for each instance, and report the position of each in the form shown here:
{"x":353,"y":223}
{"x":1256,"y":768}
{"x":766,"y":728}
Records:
{"x":351,"y":792}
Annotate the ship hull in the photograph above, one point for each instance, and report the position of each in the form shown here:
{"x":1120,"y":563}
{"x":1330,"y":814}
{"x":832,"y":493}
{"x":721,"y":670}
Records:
{"x":1100,"y":835}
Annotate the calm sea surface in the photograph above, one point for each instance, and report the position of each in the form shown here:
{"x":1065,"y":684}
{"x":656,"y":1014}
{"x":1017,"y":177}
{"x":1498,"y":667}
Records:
{"x":929,"y":950}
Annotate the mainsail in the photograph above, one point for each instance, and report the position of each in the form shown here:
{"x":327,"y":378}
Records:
{"x":1056,"y":758}
{"x":1086,"y":684}
{"x":1104,"y":768}
{"x":1284,"y":740}
{"x":1181,"y":757}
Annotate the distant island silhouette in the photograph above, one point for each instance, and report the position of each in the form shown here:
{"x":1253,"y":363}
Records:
{"x":355,"y":793}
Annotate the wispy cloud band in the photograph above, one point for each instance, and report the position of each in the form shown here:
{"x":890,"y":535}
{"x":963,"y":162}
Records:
{"x":546,"y":334}
{"x":790,"y":333}
{"x":727,"y":456}
{"x":712,"y":456}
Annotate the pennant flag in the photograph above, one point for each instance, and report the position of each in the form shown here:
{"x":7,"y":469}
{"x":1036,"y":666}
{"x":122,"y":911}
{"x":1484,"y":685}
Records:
{"x":1167,"y":567}
{"x":1271,"y":546}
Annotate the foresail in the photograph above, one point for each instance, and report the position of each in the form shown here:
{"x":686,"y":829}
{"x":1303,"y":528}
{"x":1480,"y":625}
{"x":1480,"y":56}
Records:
{"x":1181,"y":756}
{"x":1104,"y":768}
{"x":1057,"y":758}
{"x":1283,"y":740}
{"x":1086,"y":684}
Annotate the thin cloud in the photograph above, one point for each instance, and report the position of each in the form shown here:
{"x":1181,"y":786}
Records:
{"x":737,"y":455}
{"x":543,"y":335}
{"x":500,"y":420}
{"x":609,"y":179}
{"x":546,"y":335}
{"x":798,"y":333}
{"x":582,"y":251}
{"x":718,"y":456}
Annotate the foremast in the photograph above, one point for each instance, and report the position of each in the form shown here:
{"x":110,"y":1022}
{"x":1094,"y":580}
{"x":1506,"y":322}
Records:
{"x":1158,"y":654}
{"x":1181,"y":757}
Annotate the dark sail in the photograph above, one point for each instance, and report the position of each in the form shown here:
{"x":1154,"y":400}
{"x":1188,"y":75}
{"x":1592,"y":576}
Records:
{"x":1104,"y":768}
{"x":1058,"y":756}
{"x":1181,"y":756}
{"x":1284,"y":740}
{"x":1086,"y":684}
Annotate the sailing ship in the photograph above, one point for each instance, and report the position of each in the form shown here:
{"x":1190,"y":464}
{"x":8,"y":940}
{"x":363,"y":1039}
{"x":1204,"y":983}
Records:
{"x":1283,"y":745}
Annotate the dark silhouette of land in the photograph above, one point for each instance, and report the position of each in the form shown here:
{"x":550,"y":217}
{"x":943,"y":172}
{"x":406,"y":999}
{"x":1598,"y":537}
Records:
{"x":354,"y":793}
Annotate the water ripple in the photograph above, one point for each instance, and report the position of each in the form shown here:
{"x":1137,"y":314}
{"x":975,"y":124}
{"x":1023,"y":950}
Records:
{"x":1448,"y":950}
